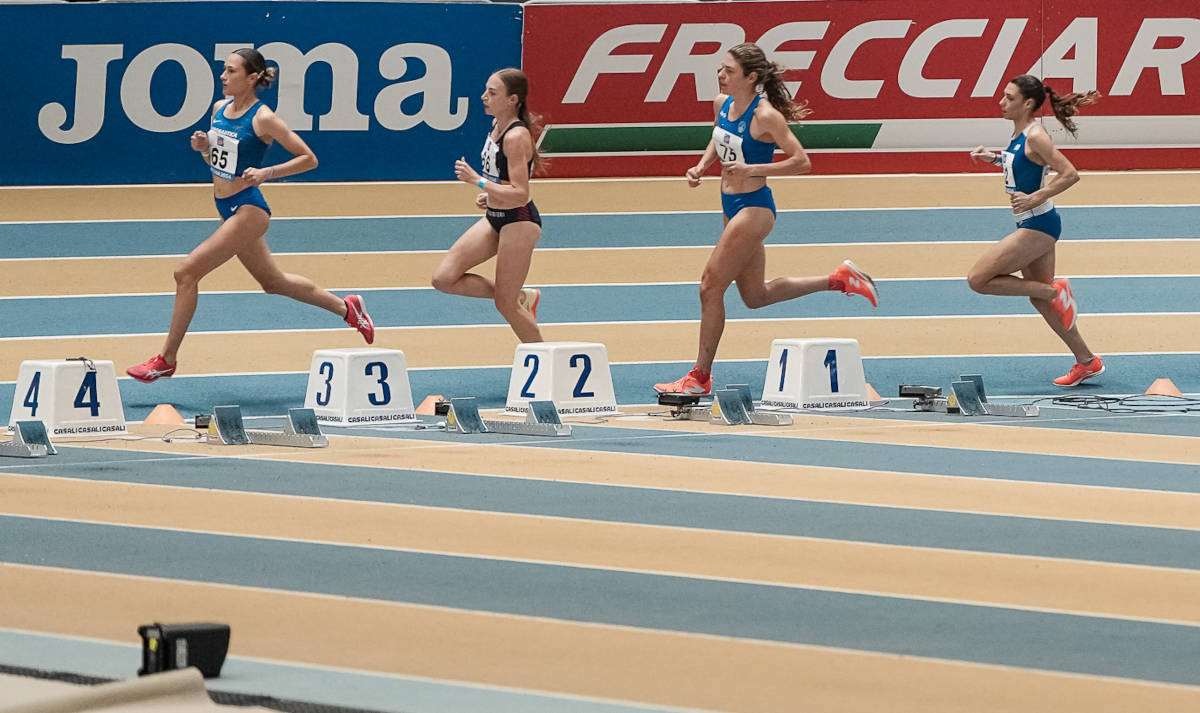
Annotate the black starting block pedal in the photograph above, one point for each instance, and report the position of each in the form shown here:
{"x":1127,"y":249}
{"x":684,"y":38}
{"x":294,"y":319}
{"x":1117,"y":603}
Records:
{"x":678,"y":400}
{"x":925,"y":398}
{"x":685,"y":407}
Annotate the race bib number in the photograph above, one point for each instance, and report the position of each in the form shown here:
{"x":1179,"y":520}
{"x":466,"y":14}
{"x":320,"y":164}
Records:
{"x":222,"y":154}
{"x":1010,"y":180}
{"x":729,"y":146}
{"x":490,"y":156}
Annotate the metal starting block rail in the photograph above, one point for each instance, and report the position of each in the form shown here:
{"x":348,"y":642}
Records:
{"x":300,"y":430}
{"x":732,"y":406}
{"x":29,"y":440}
{"x":541,"y":419}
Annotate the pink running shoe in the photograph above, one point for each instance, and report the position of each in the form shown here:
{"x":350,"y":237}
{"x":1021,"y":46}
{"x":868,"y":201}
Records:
{"x":689,"y":384}
{"x":856,"y":282}
{"x":357,"y":317}
{"x":1080,"y":373}
{"x":1064,"y":303}
{"x":529,"y":299}
{"x":153,"y":368}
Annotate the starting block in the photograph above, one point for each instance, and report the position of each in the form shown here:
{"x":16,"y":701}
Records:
{"x":29,"y":440}
{"x":819,"y":374}
{"x":541,"y":419}
{"x":732,"y":406}
{"x":758,"y":418}
{"x":729,"y":407}
{"x":575,"y":376}
{"x":299,"y":431}
{"x":72,"y":397}
{"x":967,"y":396}
{"x":360,"y":387}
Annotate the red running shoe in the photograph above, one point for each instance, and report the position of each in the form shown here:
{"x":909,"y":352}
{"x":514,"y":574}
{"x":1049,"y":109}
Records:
{"x":357,"y":317}
{"x":1064,"y":303}
{"x":856,"y":282}
{"x":529,"y":299}
{"x":153,"y":368}
{"x":687,"y":385}
{"x":1081,"y":373}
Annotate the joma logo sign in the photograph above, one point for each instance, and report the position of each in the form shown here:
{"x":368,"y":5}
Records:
{"x":438,"y":108}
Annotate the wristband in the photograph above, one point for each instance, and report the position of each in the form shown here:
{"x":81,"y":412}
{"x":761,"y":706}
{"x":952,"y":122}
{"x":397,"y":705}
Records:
{"x":272,"y":170}
{"x":481,"y":183}
{"x":998,"y":159}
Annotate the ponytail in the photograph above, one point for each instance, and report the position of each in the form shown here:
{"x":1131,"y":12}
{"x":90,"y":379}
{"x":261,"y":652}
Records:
{"x":534,"y":123}
{"x":1064,"y":107}
{"x":770,"y":75}
{"x":779,"y":96}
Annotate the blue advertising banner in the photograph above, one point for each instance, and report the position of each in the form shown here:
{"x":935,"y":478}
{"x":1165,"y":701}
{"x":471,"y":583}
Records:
{"x":110,"y":93}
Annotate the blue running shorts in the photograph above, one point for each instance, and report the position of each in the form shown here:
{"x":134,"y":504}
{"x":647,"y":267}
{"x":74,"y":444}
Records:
{"x":731,"y":203}
{"x":247,"y":196}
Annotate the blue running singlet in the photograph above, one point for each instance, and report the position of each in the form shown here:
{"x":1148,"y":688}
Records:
{"x":1022,"y":175}
{"x":733,"y":140}
{"x":1020,"y":172}
{"x":232,"y":144}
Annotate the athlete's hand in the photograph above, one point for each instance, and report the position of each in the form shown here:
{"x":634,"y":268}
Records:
{"x":735,"y":169}
{"x":256,"y":176}
{"x":982,"y":154}
{"x":1022,"y":202}
{"x":199,"y":141}
{"x":693,"y":176}
{"x":481,"y":201}
{"x":464,"y":172}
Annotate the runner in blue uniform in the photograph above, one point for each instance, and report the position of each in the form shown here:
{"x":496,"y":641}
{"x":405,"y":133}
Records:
{"x":1030,"y":155}
{"x":511,"y":225}
{"x":234,"y":148}
{"x":746,"y":133}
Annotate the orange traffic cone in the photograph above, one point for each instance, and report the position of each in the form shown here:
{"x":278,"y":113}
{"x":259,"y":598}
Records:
{"x":1163,"y":387}
{"x":429,"y":404}
{"x":164,"y":415}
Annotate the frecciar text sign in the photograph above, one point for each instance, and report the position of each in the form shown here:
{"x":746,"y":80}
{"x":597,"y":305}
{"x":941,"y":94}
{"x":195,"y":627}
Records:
{"x":863,"y":59}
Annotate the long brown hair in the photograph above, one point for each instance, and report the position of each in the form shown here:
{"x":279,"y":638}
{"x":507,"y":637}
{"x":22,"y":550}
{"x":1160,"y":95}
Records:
{"x":1064,"y":107}
{"x":515,"y":82}
{"x":752,"y":59}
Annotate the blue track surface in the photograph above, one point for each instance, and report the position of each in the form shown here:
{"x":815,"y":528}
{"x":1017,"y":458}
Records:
{"x":577,"y":494}
{"x":895,"y":526}
{"x":576,"y":231}
{"x":139,"y":314}
{"x":794,"y":615}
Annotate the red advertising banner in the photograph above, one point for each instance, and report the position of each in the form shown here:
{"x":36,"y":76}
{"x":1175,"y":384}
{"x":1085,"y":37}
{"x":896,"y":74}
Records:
{"x":620,"y":82}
